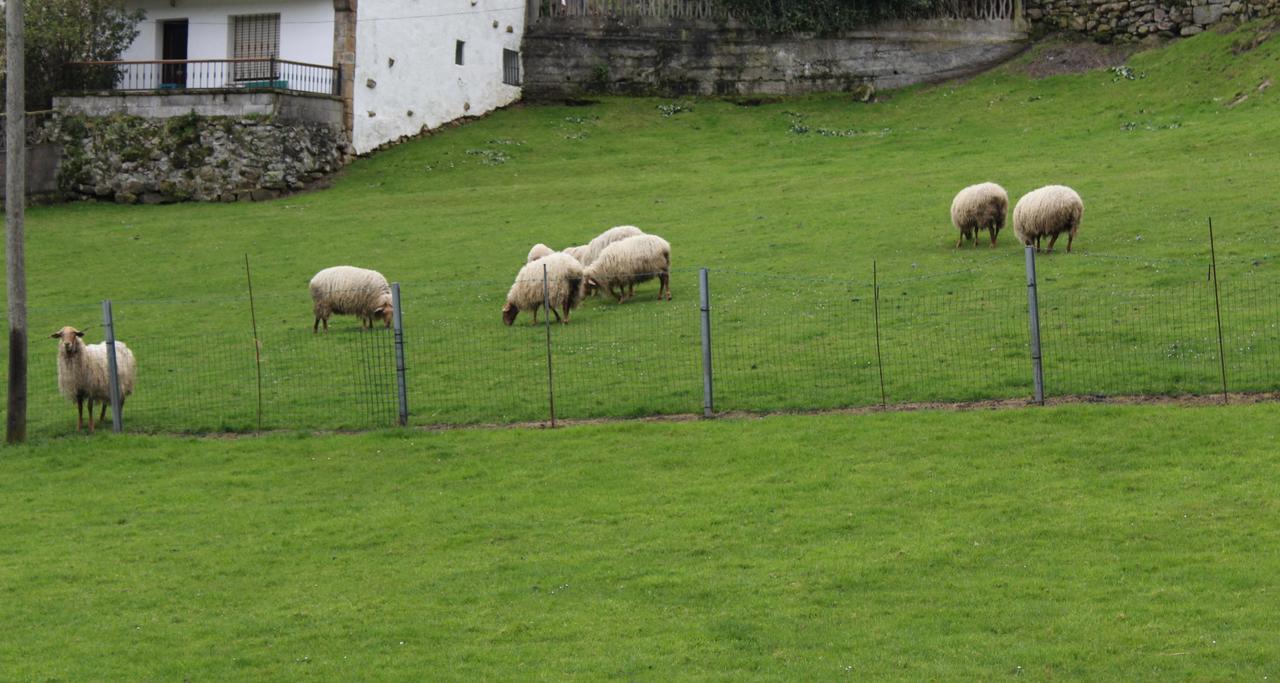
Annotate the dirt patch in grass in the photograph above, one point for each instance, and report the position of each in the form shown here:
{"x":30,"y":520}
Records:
{"x":1068,"y":55}
{"x":1258,"y":37}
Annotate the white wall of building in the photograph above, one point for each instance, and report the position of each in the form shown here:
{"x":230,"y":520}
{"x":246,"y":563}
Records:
{"x":306,"y":27}
{"x":423,"y":88}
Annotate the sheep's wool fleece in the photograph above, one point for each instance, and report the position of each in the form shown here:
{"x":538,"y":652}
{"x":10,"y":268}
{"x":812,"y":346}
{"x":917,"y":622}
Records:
{"x":979,"y":206}
{"x":564,"y":283}
{"x":84,"y":374}
{"x":349,"y":290}
{"x":604,"y":239}
{"x":538,"y":251}
{"x":634,"y":259}
{"x":1050,"y":210}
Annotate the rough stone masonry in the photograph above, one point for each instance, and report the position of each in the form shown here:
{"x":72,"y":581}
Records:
{"x":1135,"y":19}
{"x":130,"y":159}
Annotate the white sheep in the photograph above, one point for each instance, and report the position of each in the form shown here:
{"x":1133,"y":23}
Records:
{"x":979,"y":207}
{"x":347,"y":290}
{"x":538,"y":251}
{"x":589,"y":252}
{"x":1048,"y":212}
{"x":564,"y":280}
{"x":83,"y":373}
{"x":633,"y":260}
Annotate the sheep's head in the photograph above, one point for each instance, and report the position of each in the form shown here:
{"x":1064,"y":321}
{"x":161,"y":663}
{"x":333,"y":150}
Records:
{"x":589,"y":286}
{"x":68,"y":340}
{"x":386,"y":312}
{"x":509,"y":313}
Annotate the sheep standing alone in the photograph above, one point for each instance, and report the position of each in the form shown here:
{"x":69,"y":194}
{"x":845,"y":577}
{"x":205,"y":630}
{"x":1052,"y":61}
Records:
{"x":1048,"y":212}
{"x":564,"y":279}
{"x":83,"y":373}
{"x":538,"y":251}
{"x":979,"y":207}
{"x":347,"y":290}
{"x":633,"y":260}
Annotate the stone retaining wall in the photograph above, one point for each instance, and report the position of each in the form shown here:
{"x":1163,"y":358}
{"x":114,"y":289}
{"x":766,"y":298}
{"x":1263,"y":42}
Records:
{"x":649,"y":56}
{"x":1134,"y":19}
{"x":132,"y":159}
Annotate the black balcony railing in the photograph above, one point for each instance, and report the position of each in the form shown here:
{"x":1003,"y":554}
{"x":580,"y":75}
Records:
{"x":207,"y":74}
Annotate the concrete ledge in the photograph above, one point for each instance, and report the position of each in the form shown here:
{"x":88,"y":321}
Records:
{"x":280,"y":105}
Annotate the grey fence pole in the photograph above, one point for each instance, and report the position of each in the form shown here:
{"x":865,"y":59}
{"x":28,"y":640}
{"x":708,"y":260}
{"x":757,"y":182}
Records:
{"x":875,"y":298}
{"x":1033,"y":317}
{"x":546,"y":318}
{"x":708,"y":396}
{"x":1217,"y":308}
{"x":402,"y":390}
{"x":113,"y":376}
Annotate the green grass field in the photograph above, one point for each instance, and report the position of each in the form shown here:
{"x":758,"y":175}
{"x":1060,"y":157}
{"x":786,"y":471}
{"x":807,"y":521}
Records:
{"x":1085,"y":543}
{"x":789,"y":223}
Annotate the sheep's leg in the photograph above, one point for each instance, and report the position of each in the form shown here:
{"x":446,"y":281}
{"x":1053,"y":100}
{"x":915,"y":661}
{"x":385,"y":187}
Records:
{"x":326,"y":325}
{"x":664,"y":285}
{"x":1071,"y":237}
{"x":535,"y":314}
{"x":614,"y":294}
{"x":1052,"y":238}
{"x":557,"y":314}
{"x":992,"y":230}
{"x":102,"y":416}
{"x":80,"y":415}
{"x":90,"y":416}
{"x":316,"y":326}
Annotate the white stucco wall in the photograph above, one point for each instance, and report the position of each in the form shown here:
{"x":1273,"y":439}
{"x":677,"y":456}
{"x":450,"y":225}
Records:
{"x":424,"y":88}
{"x":306,"y":27}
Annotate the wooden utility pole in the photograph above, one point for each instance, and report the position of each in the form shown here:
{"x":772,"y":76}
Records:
{"x":14,"y":201}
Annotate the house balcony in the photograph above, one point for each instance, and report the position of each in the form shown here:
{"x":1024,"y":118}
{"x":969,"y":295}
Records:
{"x":277,"y":88}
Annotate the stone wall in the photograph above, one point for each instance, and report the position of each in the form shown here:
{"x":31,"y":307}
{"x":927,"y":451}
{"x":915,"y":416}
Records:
{"x":131,"y":159}
{"x":1135,"y":19}
{"x":673,"y":57}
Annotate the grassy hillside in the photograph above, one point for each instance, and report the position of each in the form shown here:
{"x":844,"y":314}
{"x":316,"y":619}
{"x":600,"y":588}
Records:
{"x":789,"y":221}
{"x":1085,"y":543}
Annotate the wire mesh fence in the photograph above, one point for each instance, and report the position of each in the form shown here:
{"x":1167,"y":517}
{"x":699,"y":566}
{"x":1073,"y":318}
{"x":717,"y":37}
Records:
{"x":776,"y":343}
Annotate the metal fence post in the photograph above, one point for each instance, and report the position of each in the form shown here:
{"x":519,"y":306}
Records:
{"x":708,"y":396}
{"x":1033,"y":317}
{"x":875,"y":297}
{"x":1217,"y":308}
{"x":113,"y":377}
{"x":402,"y":390}
{"x":546,"y":318}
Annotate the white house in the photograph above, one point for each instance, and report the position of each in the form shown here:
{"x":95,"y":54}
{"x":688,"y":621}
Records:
{"x":399,"y":66}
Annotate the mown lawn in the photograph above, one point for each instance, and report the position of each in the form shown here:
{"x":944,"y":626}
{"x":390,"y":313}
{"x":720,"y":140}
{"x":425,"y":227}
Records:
{"x":1088,"y":543}
{"x":789,"y":222}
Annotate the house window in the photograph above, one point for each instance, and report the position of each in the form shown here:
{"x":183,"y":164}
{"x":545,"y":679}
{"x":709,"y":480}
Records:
{"x":511,"y":67}
{"x":256,"y":37}
{"x":457,"y":52}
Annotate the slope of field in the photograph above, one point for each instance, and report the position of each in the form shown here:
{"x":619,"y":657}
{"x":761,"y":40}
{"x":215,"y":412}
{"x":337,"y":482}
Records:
{"x":1092,"y":543}
{"x":788,"y":203}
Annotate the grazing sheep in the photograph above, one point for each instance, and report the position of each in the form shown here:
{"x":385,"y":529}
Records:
{"x":564,"y":288}
{"x":538,"y":251}
{"x":83,"y":374}
{"x":351,"y":291}
{"x":979,"y":207}
{"x":633,"y":260}
{"x":1048,"y":212}
{"x":604,"y":239}
{"x":588,"y":253}
{"x":579,"y":253}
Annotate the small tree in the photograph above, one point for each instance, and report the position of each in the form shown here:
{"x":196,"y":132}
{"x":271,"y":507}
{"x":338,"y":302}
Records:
{"x":62,"y":31}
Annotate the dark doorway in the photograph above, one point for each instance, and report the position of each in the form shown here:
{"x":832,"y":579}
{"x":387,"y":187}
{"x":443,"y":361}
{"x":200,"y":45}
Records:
{"x":173,"y":45}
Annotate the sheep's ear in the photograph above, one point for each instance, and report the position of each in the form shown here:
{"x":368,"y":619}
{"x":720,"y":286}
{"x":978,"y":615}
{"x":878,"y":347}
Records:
{"x":55,"y":335}
{"x":379,"y":310}
{"x":79,"y":334}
